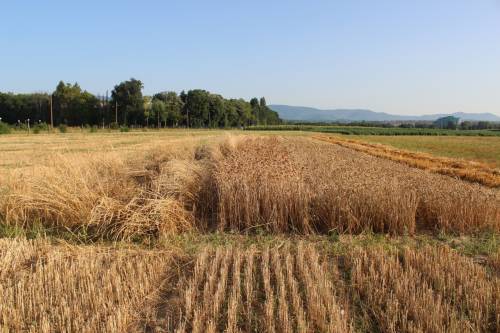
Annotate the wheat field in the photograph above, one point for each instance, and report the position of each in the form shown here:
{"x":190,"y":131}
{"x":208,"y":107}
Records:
{"x":473,"y":171}
{"x":210,"y":232}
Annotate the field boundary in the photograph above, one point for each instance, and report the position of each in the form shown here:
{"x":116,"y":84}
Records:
{"x":466,"y":170}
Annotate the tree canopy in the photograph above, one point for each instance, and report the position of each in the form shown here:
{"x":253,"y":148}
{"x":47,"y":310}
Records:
{"x":74,"y":106}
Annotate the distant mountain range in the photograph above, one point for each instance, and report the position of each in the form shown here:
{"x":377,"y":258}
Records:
{"x":302,"y":113}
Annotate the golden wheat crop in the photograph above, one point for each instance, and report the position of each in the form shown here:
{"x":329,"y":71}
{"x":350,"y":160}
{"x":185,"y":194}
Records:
{"x":244,"y":184}
{"x":297,"y":185}
{"x":293,"y":287}
{"x":460,"y":281}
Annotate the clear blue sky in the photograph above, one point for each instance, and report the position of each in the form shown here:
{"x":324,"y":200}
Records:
{"x":406,"y":57}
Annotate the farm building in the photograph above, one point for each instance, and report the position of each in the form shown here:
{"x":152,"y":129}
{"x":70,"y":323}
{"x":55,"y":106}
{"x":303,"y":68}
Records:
{"x":447,"y":122}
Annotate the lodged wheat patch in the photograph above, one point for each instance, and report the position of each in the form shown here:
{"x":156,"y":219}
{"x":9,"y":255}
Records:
{"x":105,"y":195}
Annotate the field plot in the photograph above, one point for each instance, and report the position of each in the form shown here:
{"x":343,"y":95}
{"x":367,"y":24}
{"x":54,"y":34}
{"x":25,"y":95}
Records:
{"x":287,"y":185}
{"x":468,"y":170}
{"x":473,"y":148}
{"x":272,"y":290}
{"x":241,"y":233}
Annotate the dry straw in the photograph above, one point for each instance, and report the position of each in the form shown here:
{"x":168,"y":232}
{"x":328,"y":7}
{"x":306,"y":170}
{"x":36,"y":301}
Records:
{"x":298,"y":185}
{"x":280,"y":294}
{"x":430,"y":289}
{"x":46,"y":288}
{"x":243,"y":184}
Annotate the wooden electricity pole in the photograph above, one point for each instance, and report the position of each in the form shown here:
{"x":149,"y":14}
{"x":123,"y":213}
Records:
{"x":51,"y":114}
{"x":159,"y":125}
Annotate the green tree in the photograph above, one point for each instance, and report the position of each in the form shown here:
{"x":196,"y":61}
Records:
{"x":196,"y":108}
{"x":128,"y":96}
{"x":74,"y":106}
{"x":159,"y":111}
{"x":173,"y":105}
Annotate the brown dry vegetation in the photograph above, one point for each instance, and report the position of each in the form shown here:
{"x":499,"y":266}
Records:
{"x":45,"y":288}
{"x":292,"y":287}
{"x":105,"y":194}
{"x":426,"y":290}
{"x":286,"y":185}
{"x":245,"y":185}
{"x":467,"y":170}
{"x":268,"y":290}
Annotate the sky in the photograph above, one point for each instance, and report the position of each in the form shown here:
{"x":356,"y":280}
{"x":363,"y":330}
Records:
{"x":400,"y":57}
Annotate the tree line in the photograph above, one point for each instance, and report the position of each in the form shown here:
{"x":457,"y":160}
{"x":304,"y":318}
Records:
{"x":70,"y":105}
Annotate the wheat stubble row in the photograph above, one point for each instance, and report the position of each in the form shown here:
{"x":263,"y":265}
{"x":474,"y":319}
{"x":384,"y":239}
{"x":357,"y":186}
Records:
{"x":48,"y":288}
{"x":297,"y":288}
{"x":267,"y":290}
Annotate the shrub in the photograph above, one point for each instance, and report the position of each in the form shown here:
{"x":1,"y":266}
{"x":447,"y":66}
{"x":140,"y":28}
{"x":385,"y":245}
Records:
{"x":40,"y":127}
{"x":4,"y":128}
{"x":114,"y":126}
{"x":124,"y":129}
{"x":63,"y":128}
{"x":93,"y":129}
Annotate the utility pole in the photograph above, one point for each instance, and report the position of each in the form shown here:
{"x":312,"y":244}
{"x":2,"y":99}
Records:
{"x":116,"y":112}
{"x":108,"y":118}
{"x":51,"y":114}
{"x":159,"y":125}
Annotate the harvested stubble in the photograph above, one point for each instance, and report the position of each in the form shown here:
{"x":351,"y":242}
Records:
{"x":106,"y":195}
{"x":466,"y":170}
{"x":275,"y":290}
{"x":47,"y":288}
{"x":301,"y":185}
{"x":425,"y":290}
{"x":461,"y":282}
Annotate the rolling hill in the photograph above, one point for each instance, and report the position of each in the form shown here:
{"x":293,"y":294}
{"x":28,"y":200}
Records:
{"x":302,"y":113}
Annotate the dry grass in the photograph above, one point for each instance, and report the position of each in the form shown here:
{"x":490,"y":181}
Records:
{"x":466,"y":170}
{"x":297,"y":185}
{"x":46,"y":288}
{"x":281,"y":294}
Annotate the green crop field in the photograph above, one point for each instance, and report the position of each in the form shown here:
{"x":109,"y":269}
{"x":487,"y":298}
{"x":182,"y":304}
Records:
{"x":359,"y":130}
